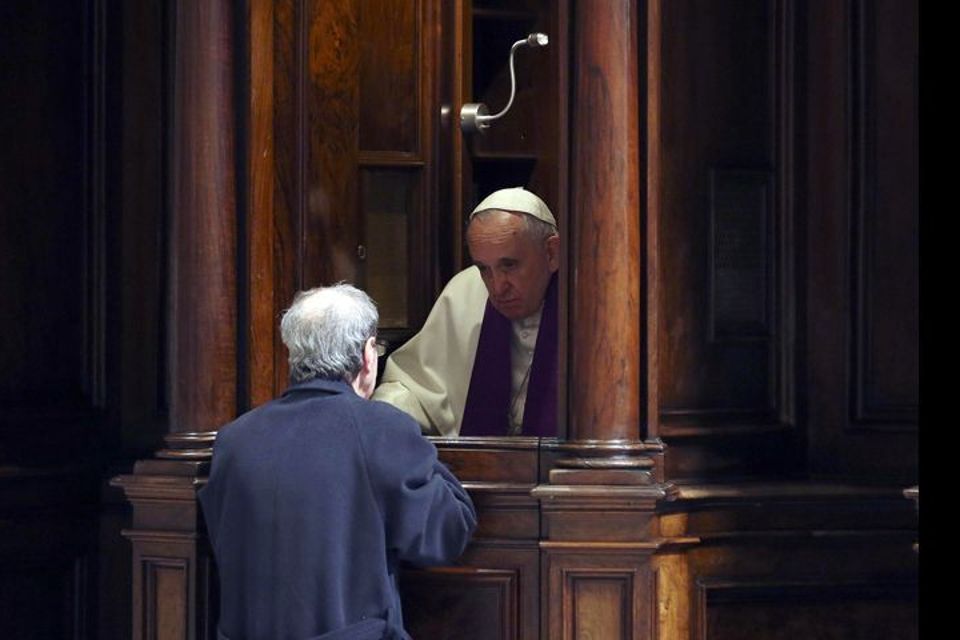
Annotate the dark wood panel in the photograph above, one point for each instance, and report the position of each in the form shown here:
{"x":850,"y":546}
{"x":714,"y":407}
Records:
{"x":602,"y":593}
{"x":389,"y":70}
{"x":82,"y":205}
{"x":486,"y":460}
{"x":738,"y":609}
{"x":136,"y":117}
{"x":886,"y":201}
{"x":492,"y":592}
{"x":354,"y":113}
{"x":861,"y":244}
{"x":330,"y":118}
{"x":48,"y":547}
{"x":288,"y":120}
{"x":266,"y":236}
{"x":797,"y":559}
{"x":47,"y":600}
{"x":724,"y":121}
{"x":462,"y":603}
{"x":51,"y":239}
{"x":741,"y":448}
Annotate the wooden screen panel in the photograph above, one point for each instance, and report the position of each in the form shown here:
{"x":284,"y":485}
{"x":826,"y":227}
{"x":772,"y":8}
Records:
{"x":600,"y":606}
{"x":390,"y":199}
{"x":48,"y":548}
{"x":353,"y":118}
{"x":51,"y":245}
{"x":861,"y":262}
{"x":492,"y":593}
{"x":598,"y":593}
{"x":166,"y":586}
{"x":886,"y":216}
{"x":720,"y":129}
{"x":329,"y":117}
{"x":479,"y":604}
{"x":46,"y":599}
{"x":741,"y":609}
{"x":389,"y":96}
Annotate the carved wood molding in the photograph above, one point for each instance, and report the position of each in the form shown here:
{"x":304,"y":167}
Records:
{"x":498,"y":590}
{"x":602,"y":593}
{"x":173,"y":588}
{"x":197,"y":445}
{"x":759,"y":592}
{"x":872,"y":408}
{"x":749,"y":263}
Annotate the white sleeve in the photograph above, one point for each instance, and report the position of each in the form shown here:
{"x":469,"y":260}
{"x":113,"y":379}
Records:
{"x":429,"y":376}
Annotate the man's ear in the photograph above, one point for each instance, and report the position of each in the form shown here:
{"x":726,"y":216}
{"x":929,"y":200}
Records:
{"x":370,"y":359}
{"x":366,"y":379}
{"x":553,"y":252}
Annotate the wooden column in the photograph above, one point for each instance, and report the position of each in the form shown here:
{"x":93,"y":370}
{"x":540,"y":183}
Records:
{"x":604,"y":558}
{"x":605,"y":369}
{"x":172,"y":566}
{"x":202,"y":308}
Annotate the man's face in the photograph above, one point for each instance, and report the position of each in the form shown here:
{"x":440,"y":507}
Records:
{"x":515,"y":266}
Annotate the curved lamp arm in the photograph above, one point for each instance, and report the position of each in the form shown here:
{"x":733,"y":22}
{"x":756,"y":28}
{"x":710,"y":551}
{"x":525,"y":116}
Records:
{"x":474,"y":116}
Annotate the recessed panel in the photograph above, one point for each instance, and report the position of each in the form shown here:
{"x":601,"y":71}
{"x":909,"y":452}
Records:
{"x":390,"y":198}
{"x":389,"y":43}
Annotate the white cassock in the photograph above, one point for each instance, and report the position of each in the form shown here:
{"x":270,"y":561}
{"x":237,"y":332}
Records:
{"x":429,"y":376}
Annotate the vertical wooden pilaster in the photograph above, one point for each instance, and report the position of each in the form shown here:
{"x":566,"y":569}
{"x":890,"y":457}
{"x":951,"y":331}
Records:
{"x":604,"y":557}
{"x":202,"y":308}
{"x":606,"y":301}
{"x":172,"y":564}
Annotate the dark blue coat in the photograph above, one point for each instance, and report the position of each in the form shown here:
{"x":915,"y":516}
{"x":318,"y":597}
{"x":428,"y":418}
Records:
{"x":312,"y":502}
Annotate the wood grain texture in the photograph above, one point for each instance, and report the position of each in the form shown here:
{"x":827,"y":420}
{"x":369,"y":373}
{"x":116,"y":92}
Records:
{"x":389,"y":82}
{"x":597,"y":593}
{"x":264,"y":295}
{"x":724,"y":115}
{"x":493,"y":591}
{"x":885,"y":184}
{"x":203,"y":230}
{"x":861,"y":278}
{"x":52,"y":231}
{"x":652,"y":212}
{"x":463,"y":602}
{"x":778,"y":611}
{"x":330,"y":233}
{"x":606,"y":302}
{"x":288,"y":121}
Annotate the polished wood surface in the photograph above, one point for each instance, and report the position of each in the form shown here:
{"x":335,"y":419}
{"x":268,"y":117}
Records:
{"x":266,"y":365}
{"x":730,"y":113}
{"x":349,"y":111}
{"x":172,"y":568}
{"x":52,"y":242}
{"x":650,"y":231}
{"x":56,"y":323}
{"x":862,"y":282}
{"x":841,"y":552}
{"x":203,"y":225}
{"x":605,"y":291}
{"x":493,"y":591}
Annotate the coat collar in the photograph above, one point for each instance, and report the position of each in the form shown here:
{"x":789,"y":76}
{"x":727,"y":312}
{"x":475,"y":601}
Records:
{"x":320,"y":385}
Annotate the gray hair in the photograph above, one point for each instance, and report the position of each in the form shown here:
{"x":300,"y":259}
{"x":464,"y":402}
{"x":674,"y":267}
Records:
{"x":325,"y":330}
{"x":534,"y":227}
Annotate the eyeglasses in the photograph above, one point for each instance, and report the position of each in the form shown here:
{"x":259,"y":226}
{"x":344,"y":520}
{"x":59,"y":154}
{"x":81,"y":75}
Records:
{"x":381,"y":346}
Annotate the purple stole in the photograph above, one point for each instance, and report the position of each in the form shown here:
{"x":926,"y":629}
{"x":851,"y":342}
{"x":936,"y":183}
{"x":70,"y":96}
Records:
{"x":488,"y":399}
